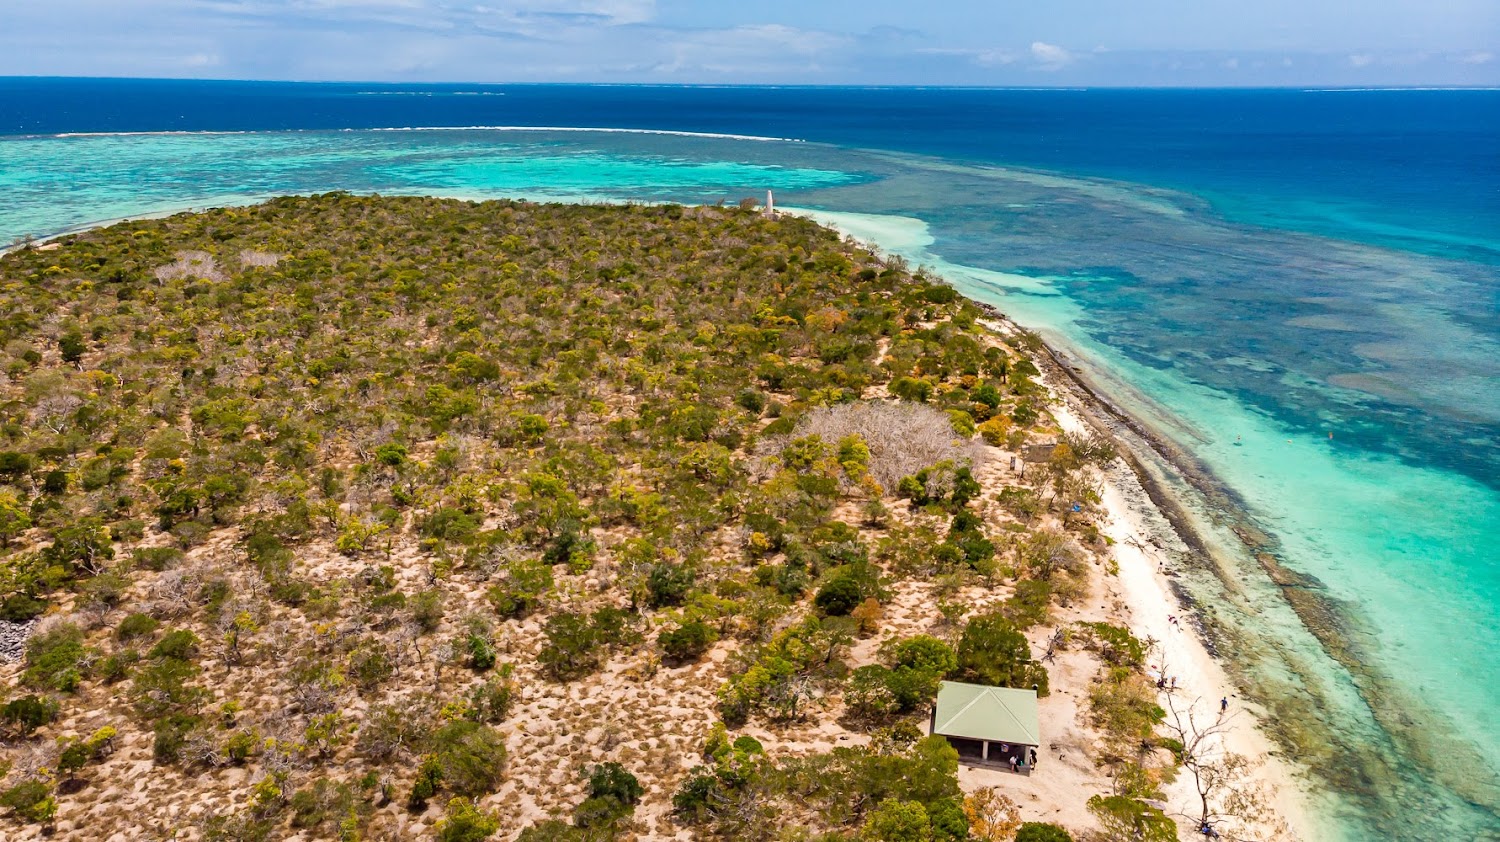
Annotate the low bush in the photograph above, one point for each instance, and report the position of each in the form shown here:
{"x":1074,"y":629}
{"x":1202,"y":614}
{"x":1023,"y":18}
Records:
{"x":29,"y":713}
{"x":687,"y":642}
{"x":54,"y":658}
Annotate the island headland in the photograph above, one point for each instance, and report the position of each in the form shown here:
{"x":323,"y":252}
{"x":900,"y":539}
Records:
{"x":344,"y":517}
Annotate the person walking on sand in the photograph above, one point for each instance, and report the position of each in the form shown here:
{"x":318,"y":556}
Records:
{"x":1223,"y":705}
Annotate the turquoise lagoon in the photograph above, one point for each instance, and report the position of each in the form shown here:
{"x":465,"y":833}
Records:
{"x":1241,"y":346}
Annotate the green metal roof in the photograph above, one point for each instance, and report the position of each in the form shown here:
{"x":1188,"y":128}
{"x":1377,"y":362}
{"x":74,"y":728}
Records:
{"x":977,"y":712}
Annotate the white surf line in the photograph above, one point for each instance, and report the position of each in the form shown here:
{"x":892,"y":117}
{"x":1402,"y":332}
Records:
{"x":569,"y":129}
{"x":589,"y":129}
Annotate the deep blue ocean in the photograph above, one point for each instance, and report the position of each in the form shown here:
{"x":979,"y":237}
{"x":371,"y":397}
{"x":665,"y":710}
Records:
{"x":1417,"y":168}
{"x":1298,"y":291}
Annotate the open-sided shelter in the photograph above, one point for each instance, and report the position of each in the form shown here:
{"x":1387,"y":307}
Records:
{"x":987,"y":724}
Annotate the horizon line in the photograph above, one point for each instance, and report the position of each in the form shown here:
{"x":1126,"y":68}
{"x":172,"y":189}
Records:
{"x":1308,"y":88}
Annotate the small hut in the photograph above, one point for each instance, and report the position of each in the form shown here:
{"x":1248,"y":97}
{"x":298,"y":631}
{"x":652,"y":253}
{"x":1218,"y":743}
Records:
{"x":988,"y":724}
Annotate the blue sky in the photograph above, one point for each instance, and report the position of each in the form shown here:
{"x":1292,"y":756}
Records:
{"x":962,"y":42}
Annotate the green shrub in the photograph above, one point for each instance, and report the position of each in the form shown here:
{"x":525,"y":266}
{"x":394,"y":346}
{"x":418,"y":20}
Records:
{"x":572,"y":548}
{"x":53,"y":659}
{"x":949,"y":822}
{"x":751,"y":400}
{"x":172,"y":732}
{"x":127,"y":530}
{"x":898,"y":821}
{"x":687,"y":642}
{"x":241,"y":746}
{"x":471,"y":757}
{"x":160,"y":687}
{"x":924,"y":653}
{"x":1030,"y":603}
{"x":391,"y":454}
{"x":116,"y":667}
{"x":20,"y":607}
{"x":136,"y":625}
{"x":911,"y":389}
{"x":612,"y":794}
{"x":1042,"y":832}
{"x":1127,"y":818}
{"x":55,"y":483}
{"x":29,"y":713}
{"x":553,"y":830}
{"x":479,"y":652}
{"x":425,"y":786}
{"x":30,"y":801}
{"x":1115,"y":644}
{"x":839,"y":596}
{"x":963,"y":423}
{"x":526,"y":582}
{"x":370,"y":665}
{"x":465,"y":822}
{"x":668,"y":584}
{"x":992,"y":652}
{"x":573,"y":646}
{"x":868,"y":695}
{"x":157,"y":558}
{"x":613,"y":780}
{"x":490,"y":701}
{"x":14,"y":464}
{"x":427,"y":610}
{"x":179,"y":644}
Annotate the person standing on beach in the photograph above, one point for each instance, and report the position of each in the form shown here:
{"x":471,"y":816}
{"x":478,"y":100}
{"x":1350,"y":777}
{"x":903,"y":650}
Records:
{"x":1223,"y":705}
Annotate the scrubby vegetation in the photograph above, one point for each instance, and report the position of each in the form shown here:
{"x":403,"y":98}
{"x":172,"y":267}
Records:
{"x":333,"y":510}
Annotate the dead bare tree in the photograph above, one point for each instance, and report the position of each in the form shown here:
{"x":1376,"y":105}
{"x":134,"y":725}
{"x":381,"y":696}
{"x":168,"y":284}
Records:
{"x":903,"y":437}
{"x":1232,"y":804}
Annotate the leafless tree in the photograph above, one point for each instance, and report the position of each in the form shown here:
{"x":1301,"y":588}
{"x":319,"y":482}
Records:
{"x":55,"y":411}
{"x":1231,"y":803}
{"x":903,"y":437}
{"x":191,"y":264}
{"x":263,"y":259}
{"x":202,"y":749}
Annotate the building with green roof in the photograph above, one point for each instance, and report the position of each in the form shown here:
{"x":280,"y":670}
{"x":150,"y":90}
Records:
{"x":988,"y":724}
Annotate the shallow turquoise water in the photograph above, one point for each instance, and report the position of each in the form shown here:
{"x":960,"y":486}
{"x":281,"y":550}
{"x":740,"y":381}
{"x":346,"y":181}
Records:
{"x":1245,"y":346}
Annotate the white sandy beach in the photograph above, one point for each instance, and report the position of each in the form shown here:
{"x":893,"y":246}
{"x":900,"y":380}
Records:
{"x":1201,"y":681}
{"x":1150,"y":604}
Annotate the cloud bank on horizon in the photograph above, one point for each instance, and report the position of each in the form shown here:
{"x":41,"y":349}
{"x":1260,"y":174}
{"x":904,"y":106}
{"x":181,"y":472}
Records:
{"x":956,"y":42}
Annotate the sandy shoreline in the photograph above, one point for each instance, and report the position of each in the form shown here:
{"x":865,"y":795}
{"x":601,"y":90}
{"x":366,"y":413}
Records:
{"x":1136,"y":526}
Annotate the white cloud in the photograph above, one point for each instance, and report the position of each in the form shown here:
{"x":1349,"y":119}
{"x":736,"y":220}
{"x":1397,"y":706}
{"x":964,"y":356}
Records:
{"x":994,"y":58}
{"x":613,"y":12}
{"x":532,"y":18}
{"x":752,"y":50}
{"x":681,"y":41}
{"x":1050,"y":56}
{"x":984,"y":58}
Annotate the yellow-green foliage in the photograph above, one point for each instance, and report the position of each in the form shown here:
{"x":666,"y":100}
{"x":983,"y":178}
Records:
{"x":302,"y":435}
